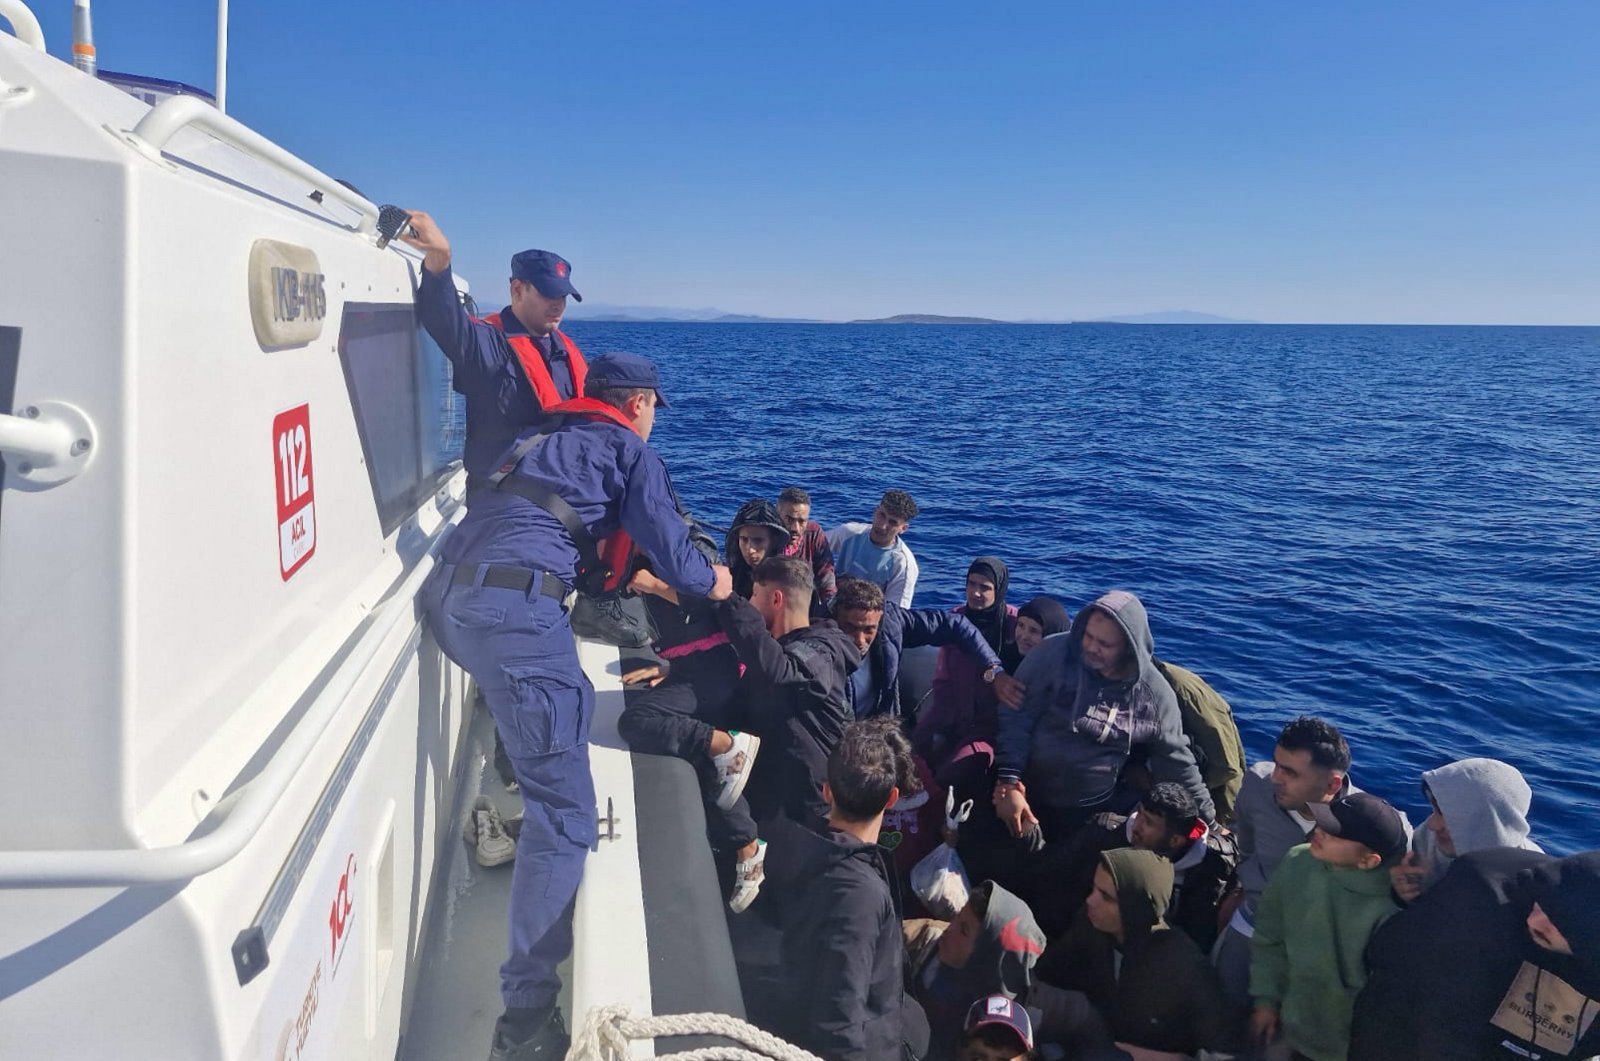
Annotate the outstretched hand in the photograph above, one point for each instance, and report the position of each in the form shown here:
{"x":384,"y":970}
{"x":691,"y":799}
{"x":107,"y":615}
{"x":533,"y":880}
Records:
{"x":1009,"y":690}
{"x":425,"y":235}
{"x":722,"y":588}
{"x":650,"y":675}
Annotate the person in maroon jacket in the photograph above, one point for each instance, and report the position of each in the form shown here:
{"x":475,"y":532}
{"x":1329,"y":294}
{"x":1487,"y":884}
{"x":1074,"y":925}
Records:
{"x":808,"y":542}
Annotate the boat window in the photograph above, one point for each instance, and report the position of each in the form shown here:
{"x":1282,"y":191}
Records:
{"x":410,"y":420}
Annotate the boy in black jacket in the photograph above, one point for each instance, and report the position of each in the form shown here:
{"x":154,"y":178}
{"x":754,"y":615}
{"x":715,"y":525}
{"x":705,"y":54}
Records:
{"x":842,"y":951}
{"x":793,"y":694}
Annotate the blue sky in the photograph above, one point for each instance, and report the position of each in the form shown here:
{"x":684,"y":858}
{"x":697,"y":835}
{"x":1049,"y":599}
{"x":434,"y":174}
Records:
{"x":1350,"y":162}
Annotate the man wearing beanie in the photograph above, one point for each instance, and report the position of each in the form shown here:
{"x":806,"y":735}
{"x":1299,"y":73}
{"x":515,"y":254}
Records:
{"x":1500,"y":960}
{"x":1313,"y":925}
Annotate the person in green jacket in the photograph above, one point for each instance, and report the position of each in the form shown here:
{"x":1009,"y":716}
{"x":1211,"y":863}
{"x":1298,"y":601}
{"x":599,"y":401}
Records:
{"x":1312,"y":926}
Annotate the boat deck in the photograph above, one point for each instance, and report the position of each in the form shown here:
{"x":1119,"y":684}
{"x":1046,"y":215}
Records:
{"x":649,"y":910}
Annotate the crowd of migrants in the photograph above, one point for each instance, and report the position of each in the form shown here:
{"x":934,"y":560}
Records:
{"x":1131,"y":886}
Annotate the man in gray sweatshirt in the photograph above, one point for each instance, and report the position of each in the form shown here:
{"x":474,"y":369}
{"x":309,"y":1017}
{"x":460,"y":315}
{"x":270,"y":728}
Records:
{"x":1310,"y":764}
{"x":1477,"y":804}
{"x":1093,"y":700}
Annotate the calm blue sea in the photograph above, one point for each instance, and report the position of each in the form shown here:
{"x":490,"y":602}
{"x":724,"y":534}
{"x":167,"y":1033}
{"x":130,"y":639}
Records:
{"x":1397,"y":528}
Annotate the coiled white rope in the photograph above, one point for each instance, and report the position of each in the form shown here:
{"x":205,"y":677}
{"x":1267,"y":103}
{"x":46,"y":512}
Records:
{"x":607,"y":1031}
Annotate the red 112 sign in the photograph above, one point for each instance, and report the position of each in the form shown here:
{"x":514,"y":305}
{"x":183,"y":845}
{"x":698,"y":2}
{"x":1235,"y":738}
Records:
{"x":297,"y":518}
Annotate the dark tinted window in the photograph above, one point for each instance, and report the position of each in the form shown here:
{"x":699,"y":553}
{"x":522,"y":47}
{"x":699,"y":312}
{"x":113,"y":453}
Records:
{"x":407,"y":415}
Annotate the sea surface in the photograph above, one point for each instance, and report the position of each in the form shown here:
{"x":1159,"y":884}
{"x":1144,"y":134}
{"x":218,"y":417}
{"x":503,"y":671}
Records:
{"x":1396,"y":528}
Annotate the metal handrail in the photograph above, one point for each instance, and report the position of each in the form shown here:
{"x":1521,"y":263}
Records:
{"x":24,"y":26}
{"x":252,"y":803}
{"x":167,"y":117}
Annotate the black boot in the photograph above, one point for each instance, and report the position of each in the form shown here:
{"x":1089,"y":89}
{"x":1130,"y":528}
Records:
{"x":521,"y":1035}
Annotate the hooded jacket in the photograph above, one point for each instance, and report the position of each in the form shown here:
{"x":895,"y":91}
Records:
{"x":1306,"y":958}
{"x":1076,"y":730}
{"x":1009,"y":944}
{"x":795,"y":694}
{"x":1164,"y":995}
{"x":1485,"y":804}
{"x":1453,"y":975}
{"x":756,"y":513}
{"x":1202,"y":875}
{"x":842,"y":951}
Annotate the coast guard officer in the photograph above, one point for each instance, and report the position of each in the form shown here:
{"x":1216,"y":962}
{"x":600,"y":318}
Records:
{"x":511,"y":366}
{"x":496,"y":607}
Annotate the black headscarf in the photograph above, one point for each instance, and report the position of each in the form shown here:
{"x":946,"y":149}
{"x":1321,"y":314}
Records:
{"x":991,"y":621}
{"x":756,"y":513}
{"x":1049,"y":614}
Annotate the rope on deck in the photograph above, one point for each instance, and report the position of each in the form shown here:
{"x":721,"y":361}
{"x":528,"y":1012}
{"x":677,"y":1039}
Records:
{"x":607,"y":1031}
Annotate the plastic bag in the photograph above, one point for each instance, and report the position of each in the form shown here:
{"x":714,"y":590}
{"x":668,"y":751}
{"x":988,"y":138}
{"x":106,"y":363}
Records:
{"x":940,"y":880}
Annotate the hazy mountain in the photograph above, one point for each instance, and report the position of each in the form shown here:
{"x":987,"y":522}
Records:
{"x":1171,"y":316}
{"x":928,"y":318}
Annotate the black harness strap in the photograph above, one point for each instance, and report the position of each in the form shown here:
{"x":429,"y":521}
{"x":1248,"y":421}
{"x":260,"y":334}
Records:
{"x":589,"y":565}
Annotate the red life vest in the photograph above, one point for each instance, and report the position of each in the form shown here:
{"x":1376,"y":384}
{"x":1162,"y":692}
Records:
{"x":612,"y":563}
{"x":535,"y":370}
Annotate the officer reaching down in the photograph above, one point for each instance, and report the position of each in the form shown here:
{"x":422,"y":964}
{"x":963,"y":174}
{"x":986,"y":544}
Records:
{"x":496,"y":607}
{"x":512,"y":366}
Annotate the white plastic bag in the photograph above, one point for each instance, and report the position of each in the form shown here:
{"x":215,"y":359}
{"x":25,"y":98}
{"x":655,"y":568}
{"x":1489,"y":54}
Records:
{"x":940,"y":880}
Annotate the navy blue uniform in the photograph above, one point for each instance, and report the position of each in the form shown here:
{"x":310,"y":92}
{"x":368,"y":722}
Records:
{"x":500,"y":400}
{"x":518,"y":647}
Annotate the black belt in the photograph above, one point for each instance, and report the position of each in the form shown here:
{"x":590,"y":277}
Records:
{"x":499,"y":576}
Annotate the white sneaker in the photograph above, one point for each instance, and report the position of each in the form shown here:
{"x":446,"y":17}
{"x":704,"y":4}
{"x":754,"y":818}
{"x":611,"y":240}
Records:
{"x":747,"y":878}
{"x":733,"y":767}
{"x":487,"y":834}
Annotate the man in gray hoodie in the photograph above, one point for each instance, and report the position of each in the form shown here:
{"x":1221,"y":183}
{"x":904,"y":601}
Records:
{"x":1094,"y":699}
{"x":1477,"y":804}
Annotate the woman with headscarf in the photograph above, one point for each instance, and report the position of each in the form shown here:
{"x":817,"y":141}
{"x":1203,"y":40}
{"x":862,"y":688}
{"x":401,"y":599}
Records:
{"x":956,"y":734}
{"x":1036,"y":620}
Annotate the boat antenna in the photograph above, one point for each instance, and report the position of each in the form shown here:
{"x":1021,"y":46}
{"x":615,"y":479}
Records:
{"x":222,"y":56}
{"x":83,"y":38}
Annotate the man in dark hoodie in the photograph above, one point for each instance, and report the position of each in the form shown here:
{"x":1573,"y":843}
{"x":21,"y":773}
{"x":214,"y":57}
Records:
{"x":793,"y":694}
{"x":1500,"y":960}
{"x":882,"y":630}
{"x":988,"y":949}
{"x":1204,"y":861}
{"x":843,"y":954}
{"x":1147,"y":986}
{"x":757,"y":532}
{"x":1093,"y":700}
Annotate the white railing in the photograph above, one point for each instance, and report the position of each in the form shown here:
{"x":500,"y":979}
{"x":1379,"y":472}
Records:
{"x":23,"y":25}
{"x":164,"y":121}
{"x":243,"y":812}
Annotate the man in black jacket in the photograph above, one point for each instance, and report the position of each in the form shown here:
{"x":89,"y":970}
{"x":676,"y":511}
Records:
{"x":793,"y":694}
{"x":882,"y":630}
{"x":1499,"y":960}
{"x":843,"y":954}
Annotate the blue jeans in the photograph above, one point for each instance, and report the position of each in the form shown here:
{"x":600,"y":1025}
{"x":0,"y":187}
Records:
{"x":518,"y":648}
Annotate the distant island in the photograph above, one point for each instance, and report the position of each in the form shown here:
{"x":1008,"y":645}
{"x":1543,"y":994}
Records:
{"x":928,"y":318}
{"x":606,"y":313}
{"x":1171,"y":316}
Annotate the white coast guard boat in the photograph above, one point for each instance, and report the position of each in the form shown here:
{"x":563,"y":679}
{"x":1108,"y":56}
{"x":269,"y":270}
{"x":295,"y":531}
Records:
{"x":234,"y":758}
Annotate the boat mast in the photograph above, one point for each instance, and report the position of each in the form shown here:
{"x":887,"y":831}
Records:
{"x":83,"y":38}
{"x":222,"y":56}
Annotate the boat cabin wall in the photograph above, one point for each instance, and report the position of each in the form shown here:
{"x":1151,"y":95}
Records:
{"x":168,"y":611}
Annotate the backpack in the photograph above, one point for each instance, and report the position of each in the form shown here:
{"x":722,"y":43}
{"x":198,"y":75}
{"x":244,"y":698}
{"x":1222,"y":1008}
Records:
{"x":1213,"y":736}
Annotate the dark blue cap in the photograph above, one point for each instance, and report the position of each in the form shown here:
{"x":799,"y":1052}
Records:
{"x":545,"y":270}
{"x":625,"y":370}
